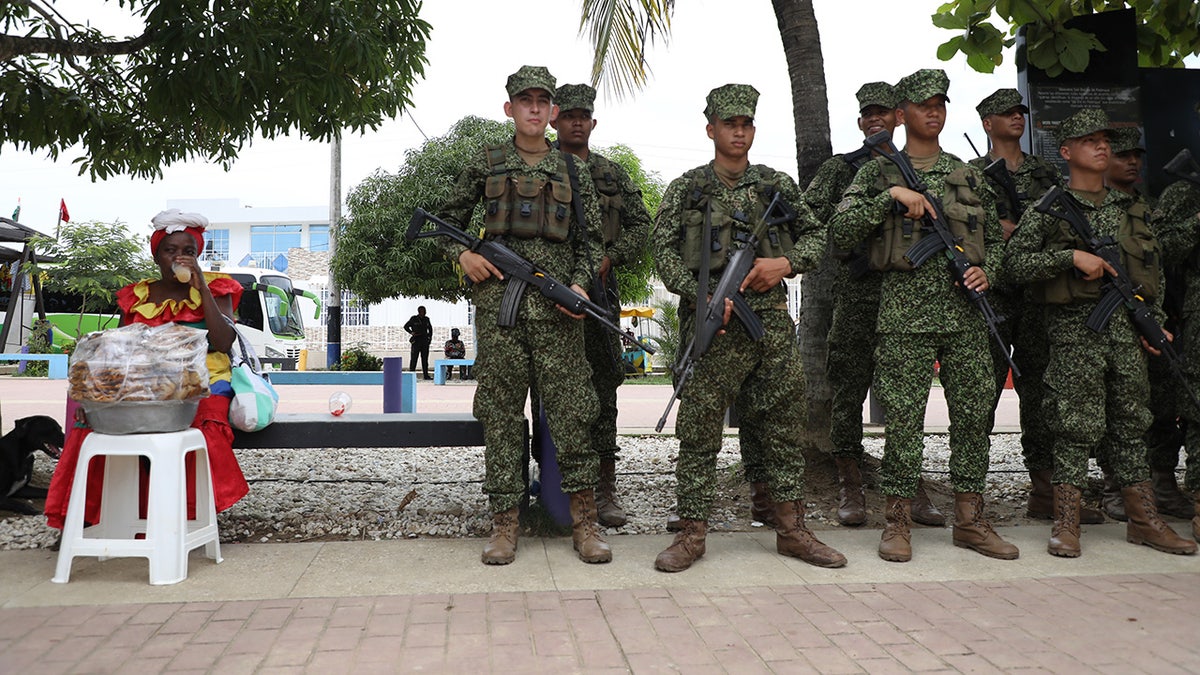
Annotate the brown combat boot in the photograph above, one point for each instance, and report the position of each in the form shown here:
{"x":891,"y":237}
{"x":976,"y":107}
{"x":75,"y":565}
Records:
{"x":793,"y":538}
{"x":973,"y":532}
{"x":1169,"y":499}
{"x":1064,"y":536}
{"x":608,"y":511}
{"x":762,"y":508}
{"x":923,"y":510}
{"x":585,"y":531}
{"x":1111,"y":500}
{"x":686,"y":549}
{"x":1041,"y":500}
{"x":895,"y":544}
{"x":501,"y":548}
{"x":852,"y":499}
{"x":1146,"y":526}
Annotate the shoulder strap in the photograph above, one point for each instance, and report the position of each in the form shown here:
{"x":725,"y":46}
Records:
{"x":495,"y":159}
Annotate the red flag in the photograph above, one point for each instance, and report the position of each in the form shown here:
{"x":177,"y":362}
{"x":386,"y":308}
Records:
{"x":63,"y":214}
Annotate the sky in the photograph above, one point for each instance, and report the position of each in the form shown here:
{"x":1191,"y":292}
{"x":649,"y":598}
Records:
{"x":713,"y":42}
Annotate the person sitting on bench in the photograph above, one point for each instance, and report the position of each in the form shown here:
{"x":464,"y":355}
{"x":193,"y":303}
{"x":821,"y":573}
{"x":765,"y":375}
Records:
{"x":455,"y":349}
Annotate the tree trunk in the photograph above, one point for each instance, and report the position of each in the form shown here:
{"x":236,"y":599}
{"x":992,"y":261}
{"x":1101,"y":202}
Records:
{"x":810,"y":109}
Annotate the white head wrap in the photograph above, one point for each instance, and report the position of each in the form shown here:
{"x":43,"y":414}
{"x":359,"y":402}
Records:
{"x":174,"y":220}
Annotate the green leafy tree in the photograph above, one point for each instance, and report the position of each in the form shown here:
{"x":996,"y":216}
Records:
{"x":1167,"y":31}
{"x":373,"y":259}
{"x":203,"y":78}
{"x":93,"y":261}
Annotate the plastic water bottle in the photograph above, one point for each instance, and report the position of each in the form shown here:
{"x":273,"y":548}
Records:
{"x":339,"y":403}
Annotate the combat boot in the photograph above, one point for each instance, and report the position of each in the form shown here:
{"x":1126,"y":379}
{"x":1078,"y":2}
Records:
{"x":608,"y":510}
{"x":1064,"y":536}
{"x":501,"y":548}
{"x":585,"y":531}
{"x":1041,"y":500}
{"x":1169,"y":499}
{"x":923,"y":510}
{"x":1146,"y":527}
{"x":852,"y":499}
{"x":973,"y":532}
{"x":1111,"y":500}
{"x":793,"y":538}
{"x":895,"y":544}
{"x":761,"y":507}
{"x":687,"y":547}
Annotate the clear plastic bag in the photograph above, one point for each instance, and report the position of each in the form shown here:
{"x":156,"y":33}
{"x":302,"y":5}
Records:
{"x":138,"y":363}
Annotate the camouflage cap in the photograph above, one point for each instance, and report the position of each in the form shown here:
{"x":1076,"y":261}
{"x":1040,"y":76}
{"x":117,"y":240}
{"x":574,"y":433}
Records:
{"x":876,"y":93}
{"x":1125,"y":139}
{"x":575,"y":97}
{"x":1082,"y":123}
{"x":923,"y":85}
{"x":530,"y":77}
{"x":1001,"y":101}
{"x":731,"y":100}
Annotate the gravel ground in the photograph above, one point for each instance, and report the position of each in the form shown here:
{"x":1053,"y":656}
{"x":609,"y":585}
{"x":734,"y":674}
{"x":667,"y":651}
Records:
{"x":384,"y":493}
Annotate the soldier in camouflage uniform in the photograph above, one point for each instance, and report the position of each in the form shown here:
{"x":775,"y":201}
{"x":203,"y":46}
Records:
{"x":528,"y":204}
{"x":1002,"y":115}
{"x":1096,"y":382}
{"x":923,"y":317}
{"x":850,"y":364}
{"x":1166,"y":435}
{"x":1177,"y":222}
{"x":626,"y":229}
{"x":705,"y":214}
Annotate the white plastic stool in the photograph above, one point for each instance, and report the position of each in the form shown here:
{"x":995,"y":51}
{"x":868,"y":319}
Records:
{"x":169,"y":535}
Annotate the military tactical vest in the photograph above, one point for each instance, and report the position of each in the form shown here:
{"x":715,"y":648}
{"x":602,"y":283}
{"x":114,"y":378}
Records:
{"x":1140,"y":255}
{"x":711,"y":223}
{"x":526,"y":206}
{"x":964,"y":214}
{"x":609,"y":197}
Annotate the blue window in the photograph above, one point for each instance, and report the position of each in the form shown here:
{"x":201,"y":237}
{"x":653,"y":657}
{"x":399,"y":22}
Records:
{"x":270,"y":241}
{"x":318,"y":237}
{"x":216,"y":245}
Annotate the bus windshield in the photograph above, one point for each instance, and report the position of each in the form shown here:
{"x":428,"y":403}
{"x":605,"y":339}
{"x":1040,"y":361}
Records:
{"x":284,"y":325}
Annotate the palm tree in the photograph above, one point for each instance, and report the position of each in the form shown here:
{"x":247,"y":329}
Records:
{"x":619,"y":31}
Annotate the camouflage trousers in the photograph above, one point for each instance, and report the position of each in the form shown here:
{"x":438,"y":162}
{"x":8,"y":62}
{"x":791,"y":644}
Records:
{"x":903,"y":374}
{"x":1188,"y":410}
{"x":603,"y":351}
{"x":548,"y":356}
{"x":1165,"y":435}
{"x":850,"y":364}
{"x":1031,"y":353}
{"x":767,"y":379}
{"x":1007,"y":303}
{"x":1097,"y":392}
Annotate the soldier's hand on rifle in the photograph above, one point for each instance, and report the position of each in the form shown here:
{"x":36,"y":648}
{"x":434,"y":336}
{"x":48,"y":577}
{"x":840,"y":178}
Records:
{"x":1092,"y":266}
{"x":766,"y":274}
{"x":915,"y":203}
{"x":1008,"y":226}
{"x":477,"y":268}
{"x":564,"y":310}
{"x":976,"y":279}
{"x":605,"y":266}
{"x":1151,"y":350}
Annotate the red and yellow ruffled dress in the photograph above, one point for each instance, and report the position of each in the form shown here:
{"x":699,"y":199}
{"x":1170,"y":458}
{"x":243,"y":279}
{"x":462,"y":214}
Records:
{"x":212,"y":417}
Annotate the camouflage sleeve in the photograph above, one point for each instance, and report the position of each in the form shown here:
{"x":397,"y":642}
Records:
{"x":635,"y":221}
{"x":589,"y":244}
{"x":1025,"y":260}
{"x":1177,"y":221}
{"x":460,"y":205}
{"x":666,"y":242}
{"x":808,"y":233}
{"x":826,"y":188}
{"x":860,"y":210}
{"x":993,"y":233}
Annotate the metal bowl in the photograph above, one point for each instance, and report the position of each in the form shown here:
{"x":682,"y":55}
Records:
{"x":140,"y":417}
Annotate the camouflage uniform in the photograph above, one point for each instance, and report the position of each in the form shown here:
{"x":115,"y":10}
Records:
{"x":1177,"y":223}
{"x":545,"y":348}
{"x":766,"y":376}
{"x":1024,"y":327}
{"x":924,"y":317}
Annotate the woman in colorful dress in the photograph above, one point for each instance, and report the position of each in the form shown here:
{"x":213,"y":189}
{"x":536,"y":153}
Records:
{"x":185,"y":295}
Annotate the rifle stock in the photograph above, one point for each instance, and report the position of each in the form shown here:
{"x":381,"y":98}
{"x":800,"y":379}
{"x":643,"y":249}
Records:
{"x":1183,"y":166}
{"x":519,"y":273}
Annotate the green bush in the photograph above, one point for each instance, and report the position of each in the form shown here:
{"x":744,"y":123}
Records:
{"x":358,"y":358}
{"x":39,"y":343}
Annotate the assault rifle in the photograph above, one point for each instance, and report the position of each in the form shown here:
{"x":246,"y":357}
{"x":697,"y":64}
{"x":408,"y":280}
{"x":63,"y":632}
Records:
{"x":941,"y":241}
{"x":1184,"y":166}
{"x":712,"y":316}
{"x":1117,"y":290}
{"x":857,"y":263}
{"x":998,"y":172}
{"x":519,"y":273}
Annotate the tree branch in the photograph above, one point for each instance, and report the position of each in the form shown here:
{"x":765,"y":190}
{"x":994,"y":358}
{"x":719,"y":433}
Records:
{"x":12,"y":47}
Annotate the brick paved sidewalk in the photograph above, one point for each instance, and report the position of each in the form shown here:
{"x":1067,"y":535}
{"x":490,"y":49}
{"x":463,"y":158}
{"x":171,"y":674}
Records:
{"x":1120,"y":624}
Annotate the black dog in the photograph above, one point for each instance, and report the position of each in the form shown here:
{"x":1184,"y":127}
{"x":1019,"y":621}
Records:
{"x":16,"y":460}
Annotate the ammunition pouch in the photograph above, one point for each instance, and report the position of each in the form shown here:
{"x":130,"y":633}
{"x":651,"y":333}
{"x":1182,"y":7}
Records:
{"x":525,"y":206}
